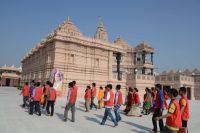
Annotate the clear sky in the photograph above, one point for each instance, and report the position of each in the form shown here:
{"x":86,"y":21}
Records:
{"x":172,"y":27}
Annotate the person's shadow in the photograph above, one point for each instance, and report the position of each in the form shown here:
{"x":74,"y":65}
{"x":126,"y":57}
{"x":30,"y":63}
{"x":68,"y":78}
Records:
{"x":140,"y":131}
{"x":101,"y":117}
{"x":80,"y":109}
{"x":92,"y":119}
{"x":60,"y":116}
{"x":138,"y":126}
{"x":81,"y":104}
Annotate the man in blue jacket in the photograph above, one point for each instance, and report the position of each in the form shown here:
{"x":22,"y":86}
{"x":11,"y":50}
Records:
{"x":159,"y":107}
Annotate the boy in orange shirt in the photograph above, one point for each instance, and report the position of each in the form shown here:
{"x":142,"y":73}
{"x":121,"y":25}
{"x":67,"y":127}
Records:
{"x":109,"y":103}
{"x":25,"y":92}
{"x":173,"y":117}
{"x":117,"y":103}
{"x":184,"y":105}
{"x":51,"y":98}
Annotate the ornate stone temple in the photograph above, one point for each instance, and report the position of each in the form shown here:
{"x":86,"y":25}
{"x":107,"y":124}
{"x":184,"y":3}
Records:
{"x":88,"y":60}
{"x":10,"y":76}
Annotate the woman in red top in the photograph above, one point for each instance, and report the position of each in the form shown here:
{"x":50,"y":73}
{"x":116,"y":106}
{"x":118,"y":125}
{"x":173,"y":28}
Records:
{"x":130,"y":100}
{"x":135,"y":109}
{"x":87,"y":98}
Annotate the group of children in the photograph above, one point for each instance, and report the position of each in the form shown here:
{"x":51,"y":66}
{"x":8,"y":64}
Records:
{"x":36,"y":95}
{"x":177,"y":113}
{"x":107,"y":99}
{"x":154,"y":101}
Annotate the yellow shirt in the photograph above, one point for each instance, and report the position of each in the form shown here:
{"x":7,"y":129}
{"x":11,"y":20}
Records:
{"x":183,"y":102}
{"x":100,"y":95}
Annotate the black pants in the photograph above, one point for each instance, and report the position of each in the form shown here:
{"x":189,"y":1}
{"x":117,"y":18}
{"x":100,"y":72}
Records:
{"x":50,"y":103}
{"x":37,"y":107}
{"x":92,"y":103}
{"x":184,"y":123}
{"x":157,"y":113}
{"x":25,"y":99}
{"x":31,"y":105}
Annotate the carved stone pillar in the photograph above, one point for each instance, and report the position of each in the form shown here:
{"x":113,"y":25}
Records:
{"x":118,"y":57}
{"x":134,"y":58}
{"x":110,"y":71}
{"x":152,"y":58}
{"x":143,"y":70}
{"x":143,"y":57}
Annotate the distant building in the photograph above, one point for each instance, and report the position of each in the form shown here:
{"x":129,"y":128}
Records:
{"x":88,"y":60}
{"x":187,"y":78}
{"x":10,"y":76}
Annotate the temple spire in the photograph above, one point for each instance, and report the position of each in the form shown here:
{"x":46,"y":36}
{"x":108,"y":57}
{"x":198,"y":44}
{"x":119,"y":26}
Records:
{"x":101,"y":32}
{"x":100,"y":22}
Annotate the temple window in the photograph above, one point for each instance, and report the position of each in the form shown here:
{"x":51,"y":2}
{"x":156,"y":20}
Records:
{"x":96,"y":62}
{"x":71,"y":58}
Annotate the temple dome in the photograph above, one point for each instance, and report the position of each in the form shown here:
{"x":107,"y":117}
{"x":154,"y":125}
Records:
{"x":121,"y":42}
{"x":143,"y":46}
{"x":69,"y":28}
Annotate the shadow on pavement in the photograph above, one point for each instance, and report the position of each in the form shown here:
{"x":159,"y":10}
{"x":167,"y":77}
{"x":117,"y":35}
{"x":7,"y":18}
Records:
{"x":80,"y":109}
{"x":60,"y":116}
{"x":99,"y":116}
{"x":92,"y":119}
{"x":82,"y":103}
{"x":140,"y":131}
{"x":138,"y":126}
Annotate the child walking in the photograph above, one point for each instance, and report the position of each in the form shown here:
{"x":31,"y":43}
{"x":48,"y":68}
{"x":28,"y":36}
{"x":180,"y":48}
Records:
{"x":87,"y":98}
{"x":118,"y":102}
{"x":100,"y":96}
{"x":71,"y":100}
{"x":51,"y":98}
{"x":173,"y":117}
{"x":184,"y":105}
{"x":25,"y":92}
{"x":109,"y":103}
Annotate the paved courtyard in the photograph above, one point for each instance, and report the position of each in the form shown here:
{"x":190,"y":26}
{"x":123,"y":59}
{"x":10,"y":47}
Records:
{"x":15,"y":119}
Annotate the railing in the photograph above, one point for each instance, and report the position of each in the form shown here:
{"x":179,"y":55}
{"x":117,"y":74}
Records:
{"x":140,"y":77}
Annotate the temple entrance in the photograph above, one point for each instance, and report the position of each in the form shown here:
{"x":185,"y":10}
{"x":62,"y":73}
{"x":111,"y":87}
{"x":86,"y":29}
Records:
{"x":189,"y":93}
{"x":7,"y":82}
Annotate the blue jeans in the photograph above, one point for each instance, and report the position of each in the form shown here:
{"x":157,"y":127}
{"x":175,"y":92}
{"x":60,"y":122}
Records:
{"x":92,"y":103}
{"x":106,"y":114}
{"x":117,"y":114}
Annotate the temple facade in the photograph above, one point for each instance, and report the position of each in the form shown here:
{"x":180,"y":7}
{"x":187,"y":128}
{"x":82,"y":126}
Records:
{"x":10,"y":76}
{"x":89,"y":59}
{"x":177,"y":79}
